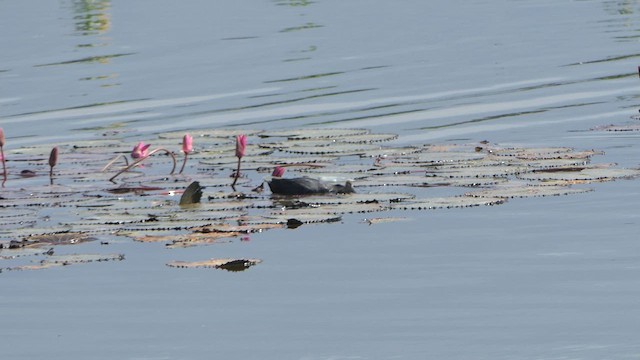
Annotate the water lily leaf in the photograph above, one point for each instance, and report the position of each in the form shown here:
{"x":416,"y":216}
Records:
{"x":588,"y":174}
{"x":531,"y":152}
{"x":374,"y":221}
{"x":349,"y":208}
{"x":480,"y":172}
{"x":283,"y":218}
{"x":369,"y":138}
{"x":386,"y":152}
{"x":7,"y":253}
{"x":184,"y":240}
{"x":210,"y":133}
{"x":192,"y":194}
{"x":356,"y":198}
{"x":62,"y":260}
{"x":83,"y":258}
{"x":427,"y":181}
{"x":303,"y":143}
{"x":526,"y":191}
{"x":333,"y":148}
{"x":440,"y":157}
{"x":314,"y":133}
{"x":340,"y":169}
{"x":65,"y":238}
{"x":553,"y":163}
{"x":483,"y":146}
{"x":617,"y":128}
{"x":448,"y":203}
{"x":236,"y":229}
{"x":226,"y":264}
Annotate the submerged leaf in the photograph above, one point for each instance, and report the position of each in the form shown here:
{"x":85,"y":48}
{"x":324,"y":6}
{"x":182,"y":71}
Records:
{"x":192,"y":194}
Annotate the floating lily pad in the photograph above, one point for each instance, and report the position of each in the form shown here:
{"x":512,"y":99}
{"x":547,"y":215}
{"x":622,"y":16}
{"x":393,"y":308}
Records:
{"x":530,"y":153}
{"x":65,"y":238}
{"x":211,"y":133}
{"x":618,"y":128}
{"x":383,"y":220}
{"x":307,"y":218}
{"x":441,"y":157}
{"x":527,"y":191}
{"x":334,"y":148}
{"x":314,"y":133}
{"x":386,"y":152}
{"x":427,"y":181}
{"x":588,"y":174}
{"x":448,"y":203}
{"x":63,"y":260}
{"x":356,"y":198}
{"x":226,"y":264}
{"x":331,"y":209}
{"x":184,"y":240}
{"x":7,"y":253}
{"x":82,"y":204}
{"x":480,"y":172}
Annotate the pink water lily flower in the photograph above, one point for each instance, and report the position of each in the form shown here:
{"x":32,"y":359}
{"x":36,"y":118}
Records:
{"x":141,"y":150}
{"x":187,"y":147}
{"x":187,"y":144}
{"x":53,"y":161}
{"x":241,"y":145}
{"x":278,"y":171}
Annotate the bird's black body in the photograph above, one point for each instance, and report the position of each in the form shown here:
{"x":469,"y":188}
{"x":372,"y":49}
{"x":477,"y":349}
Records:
{"x":308,"y":186}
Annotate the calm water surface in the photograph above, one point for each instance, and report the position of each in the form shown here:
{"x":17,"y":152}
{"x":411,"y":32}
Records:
{"x":548,"y":278}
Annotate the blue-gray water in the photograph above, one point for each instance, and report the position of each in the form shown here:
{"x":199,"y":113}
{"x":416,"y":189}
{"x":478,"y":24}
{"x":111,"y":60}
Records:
{"x":542,"y":278}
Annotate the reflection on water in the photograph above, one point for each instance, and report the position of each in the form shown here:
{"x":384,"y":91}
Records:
{"x":92,"y":21}
{"x":306,"y":26}
{"x":293,"y":2}
{"x":92,"y":16}
{"x":626,"y":26}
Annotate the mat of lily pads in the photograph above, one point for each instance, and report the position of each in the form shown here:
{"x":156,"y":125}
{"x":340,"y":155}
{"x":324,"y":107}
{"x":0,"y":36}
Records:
{"x":80,"y":203}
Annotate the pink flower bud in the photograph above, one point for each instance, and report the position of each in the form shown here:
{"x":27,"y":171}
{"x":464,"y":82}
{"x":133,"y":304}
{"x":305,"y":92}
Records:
{"x":1,"y":137}
{"x":187,"y":144}
{"x":53,"y":157}
{"x":241,"y":145}
{"x":140,"y":150}
{"x":278,"y":171}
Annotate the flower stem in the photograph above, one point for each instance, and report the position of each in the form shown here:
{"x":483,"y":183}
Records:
{"x":186,"y":156}
{"x":126,"y":161}
{"x":233,"y":185}
{"x":4,"y":166}
{"x":137,"y":162}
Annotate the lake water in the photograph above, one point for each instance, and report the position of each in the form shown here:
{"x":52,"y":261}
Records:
{"x":540,"y":278}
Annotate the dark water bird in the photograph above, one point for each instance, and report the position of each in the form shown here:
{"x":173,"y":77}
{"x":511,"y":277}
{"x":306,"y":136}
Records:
{"x":308,"y":186}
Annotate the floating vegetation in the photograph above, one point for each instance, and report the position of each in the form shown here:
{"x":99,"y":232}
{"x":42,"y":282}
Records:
{"x":617,"y":128}
{"x":51,"y":260}
{"x":225,"y":264}
{"x":350,"y":170}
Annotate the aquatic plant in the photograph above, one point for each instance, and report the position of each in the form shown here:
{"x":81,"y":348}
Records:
{"x":140,"y":153}
{"x":144,"y":206}
{"x":278,"y":171}
{"x":187,"y":147}
{"x":241,"y":146}
{"x":4,"y":161}
{"x":53,"y":161}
